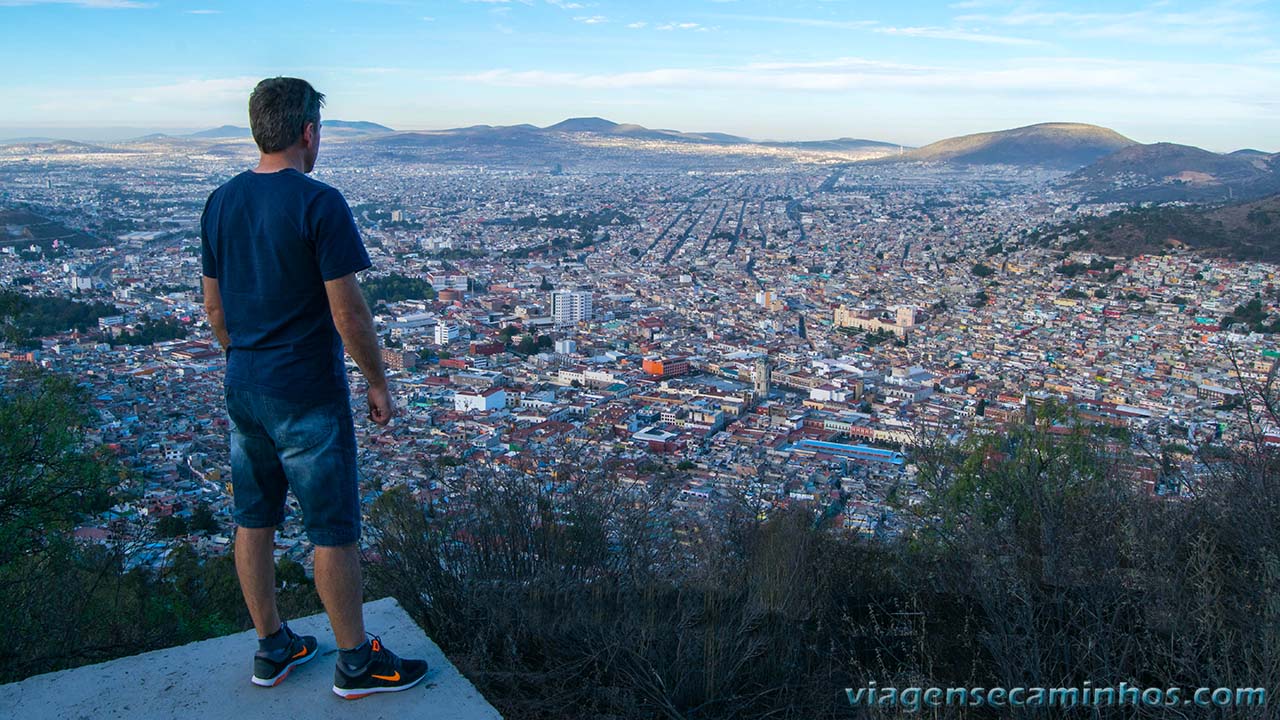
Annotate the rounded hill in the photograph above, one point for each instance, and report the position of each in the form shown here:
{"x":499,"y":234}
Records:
{"x":1057,"y":144}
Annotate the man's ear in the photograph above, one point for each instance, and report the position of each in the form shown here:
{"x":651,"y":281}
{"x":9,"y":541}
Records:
{"x":309,"y":134}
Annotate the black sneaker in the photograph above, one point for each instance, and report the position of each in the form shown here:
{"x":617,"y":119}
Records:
{"x":271,"y":668}
{"x":385,"y":672}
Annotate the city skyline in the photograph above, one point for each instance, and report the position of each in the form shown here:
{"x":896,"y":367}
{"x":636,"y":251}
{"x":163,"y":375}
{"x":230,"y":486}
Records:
{"x":1206,"y":74}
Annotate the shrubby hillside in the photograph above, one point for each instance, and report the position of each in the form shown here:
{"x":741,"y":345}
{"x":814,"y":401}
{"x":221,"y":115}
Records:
{"x":564,"y":592}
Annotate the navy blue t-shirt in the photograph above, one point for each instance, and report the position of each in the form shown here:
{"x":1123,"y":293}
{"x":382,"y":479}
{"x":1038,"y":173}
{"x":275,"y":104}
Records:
{"x":272,"y":240}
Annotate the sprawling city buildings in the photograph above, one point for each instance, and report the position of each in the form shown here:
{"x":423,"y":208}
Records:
{"x":781,"y":328}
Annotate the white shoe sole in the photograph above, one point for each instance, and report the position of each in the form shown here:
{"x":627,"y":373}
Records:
{"x":356,"y":693}
{"x":272,"y":682}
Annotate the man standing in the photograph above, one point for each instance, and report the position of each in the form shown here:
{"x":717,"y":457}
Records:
{"x":279,"y":254}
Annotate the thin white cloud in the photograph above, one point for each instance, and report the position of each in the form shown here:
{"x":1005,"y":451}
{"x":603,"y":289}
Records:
{"x":1229,"y":23}
{"x":841,"y":63}
{"x":591,"y":20}
{"x":956,"y":34}
{"x":1252,"y":86}
{"x":196,"y":97}
{"x":807,"y":22}
{"x":677,"y":26}
{"x":565,"y":4}
{"x":206,"y":91}
{"x":638,"y":25}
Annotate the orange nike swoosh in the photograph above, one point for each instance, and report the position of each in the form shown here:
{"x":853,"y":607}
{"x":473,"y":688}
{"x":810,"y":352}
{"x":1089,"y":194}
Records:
{"x":388,"y":678}
{"x":301,"y":652}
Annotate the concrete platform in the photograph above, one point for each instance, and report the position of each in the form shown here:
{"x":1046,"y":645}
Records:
{"x":210,"y":679}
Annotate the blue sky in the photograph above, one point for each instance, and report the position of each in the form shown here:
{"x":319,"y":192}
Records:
{"x":1203,"y":73}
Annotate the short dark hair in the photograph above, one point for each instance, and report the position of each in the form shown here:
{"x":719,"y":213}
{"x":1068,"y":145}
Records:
{"x":279,"y":110}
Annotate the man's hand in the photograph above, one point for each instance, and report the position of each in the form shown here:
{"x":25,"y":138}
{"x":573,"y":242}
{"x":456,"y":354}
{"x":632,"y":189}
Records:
{"x":381,"y":407}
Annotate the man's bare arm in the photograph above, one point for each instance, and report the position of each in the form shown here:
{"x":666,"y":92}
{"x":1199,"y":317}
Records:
{"x":213,"y":308}
{"x":355,"y":325}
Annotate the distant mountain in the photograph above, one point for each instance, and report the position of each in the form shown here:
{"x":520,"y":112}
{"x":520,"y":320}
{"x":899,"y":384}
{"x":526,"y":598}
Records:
{"x":222,"y":132}
{"x":53,"y":147}
{"x":600,"y":126}
{"x":562,"y":135}
{"x":1164,"y":172}
{"x":355,"y":127}
{"x":1243,"y":231}
{"x":838,"y":145}
{"x":592,"y":142}
{"x":340,"y":128}
{"x":554,"y":143}
{"x":475,"y":136}
{"x":1064,"y":146}
{"x":719,"y":137}
{"x":585,"y":125}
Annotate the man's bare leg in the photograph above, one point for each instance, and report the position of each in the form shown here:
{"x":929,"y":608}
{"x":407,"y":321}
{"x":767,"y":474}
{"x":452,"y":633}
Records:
{"x":256,"y":568}
{"x":338,"y":581}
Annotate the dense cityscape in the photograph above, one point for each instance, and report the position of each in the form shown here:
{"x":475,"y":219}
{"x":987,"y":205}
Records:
{"x":782,"y":324}
{"x":598,"y":360}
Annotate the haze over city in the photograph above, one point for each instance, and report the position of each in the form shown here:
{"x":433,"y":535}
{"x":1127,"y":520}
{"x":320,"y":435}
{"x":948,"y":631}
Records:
{"x":1206,"y":74}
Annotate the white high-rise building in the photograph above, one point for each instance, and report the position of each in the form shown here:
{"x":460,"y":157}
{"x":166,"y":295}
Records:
{"x":570,"y":307}
{"x":446,"y":333}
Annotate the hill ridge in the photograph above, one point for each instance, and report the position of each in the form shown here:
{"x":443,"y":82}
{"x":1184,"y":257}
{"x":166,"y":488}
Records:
{"x":1063,"y":145}
{"x":1165,"y":171}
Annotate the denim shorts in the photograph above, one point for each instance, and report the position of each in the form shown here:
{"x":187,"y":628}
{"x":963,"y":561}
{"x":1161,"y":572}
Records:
{"x":309,"y":446}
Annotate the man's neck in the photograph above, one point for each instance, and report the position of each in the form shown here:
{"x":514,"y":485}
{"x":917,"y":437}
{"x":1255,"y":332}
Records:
{"x":277,"y":161}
